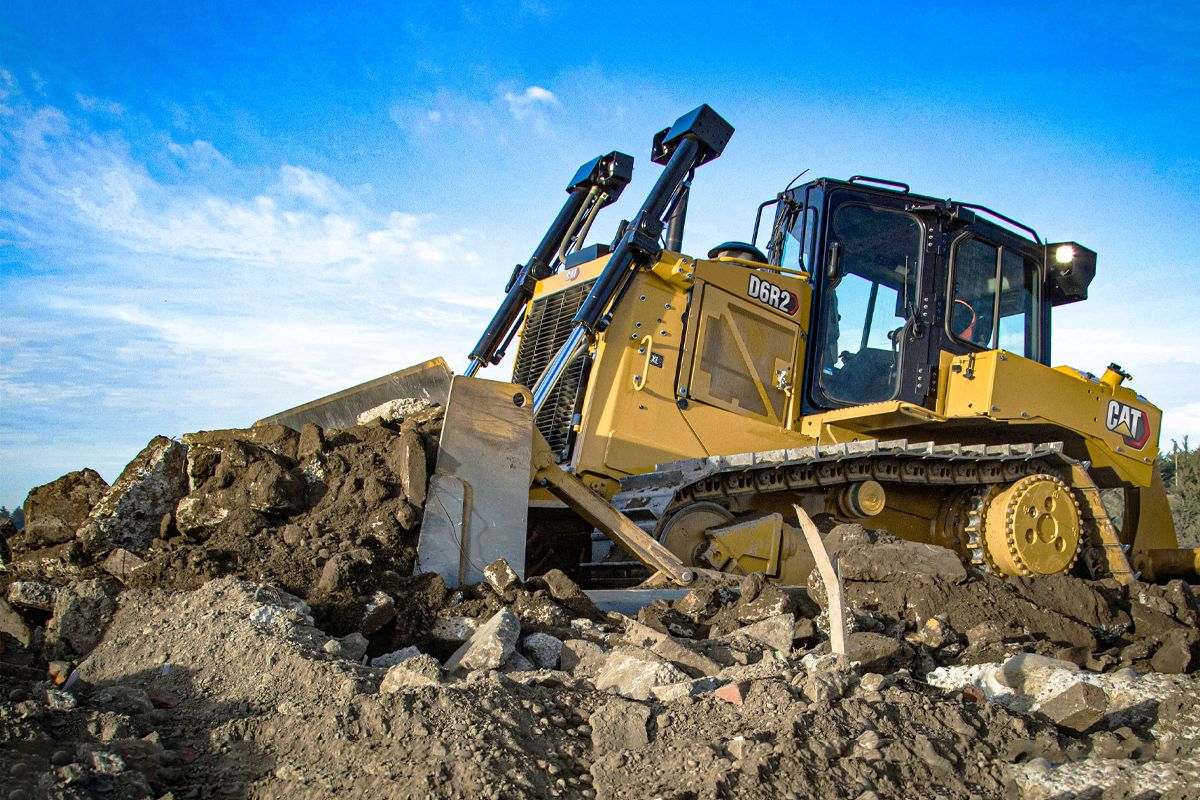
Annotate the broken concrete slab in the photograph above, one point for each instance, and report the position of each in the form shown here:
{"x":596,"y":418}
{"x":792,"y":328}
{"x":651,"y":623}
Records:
{"x":131,"y":511}
{"x":490,"y":645}
{"x":420,"y":670}
{"x":632,"y":672}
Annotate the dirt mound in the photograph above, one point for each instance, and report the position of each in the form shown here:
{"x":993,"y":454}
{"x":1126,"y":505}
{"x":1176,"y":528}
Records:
{"x":330,"y":516}
{"x":237,"y":694}
{"x":237,"y":616}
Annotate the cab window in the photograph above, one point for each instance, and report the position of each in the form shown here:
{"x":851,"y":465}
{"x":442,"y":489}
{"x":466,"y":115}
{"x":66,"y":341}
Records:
{"x":994,"y":297}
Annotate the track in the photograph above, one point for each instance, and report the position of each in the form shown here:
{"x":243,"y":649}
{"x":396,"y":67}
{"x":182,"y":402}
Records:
{"x":651,"y":498}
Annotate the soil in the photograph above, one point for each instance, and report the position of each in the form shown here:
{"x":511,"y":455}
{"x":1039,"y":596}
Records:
{"x":243,"y":652}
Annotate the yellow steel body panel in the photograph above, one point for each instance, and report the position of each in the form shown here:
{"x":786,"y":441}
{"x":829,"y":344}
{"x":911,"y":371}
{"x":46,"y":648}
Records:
{"x":631,"y":419}
{"x":1001,"y":386}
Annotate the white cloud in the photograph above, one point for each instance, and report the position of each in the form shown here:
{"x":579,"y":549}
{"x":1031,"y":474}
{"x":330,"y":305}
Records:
{"x":140,"y":306}
{"x":531,"y":103}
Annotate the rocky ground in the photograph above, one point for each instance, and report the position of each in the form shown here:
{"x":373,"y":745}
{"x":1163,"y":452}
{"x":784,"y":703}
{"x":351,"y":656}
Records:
{"x":237,"y":617}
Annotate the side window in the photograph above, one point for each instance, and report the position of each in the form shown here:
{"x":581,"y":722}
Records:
{"x":974,"y":292}
{"x":799,"y":244}
{"x":994,"y":302}
{"x":868,"y":303}
{"x":1018,"y":301}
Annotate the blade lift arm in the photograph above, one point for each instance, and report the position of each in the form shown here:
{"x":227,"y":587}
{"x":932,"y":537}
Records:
{"x":696,"y":138}
{"x":598,"y":183}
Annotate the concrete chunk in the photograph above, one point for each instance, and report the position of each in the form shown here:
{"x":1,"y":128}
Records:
{"x":379,"y":612}
{"x":121,"y":563}
{"x":13,"y":624}
{"x":395,"y":657}
{"x":543,"y":649}
{"x":131,"y":510}
{"x":421,"y":670}
{"x":32,"y":594}
{"x":632,"y":672}
{"x":1078,"y":707}
{"x":500,"y":576}
{"x":776,"y":632}
{"x":54,"y":511}
{"x":488,"y":647}
{"x":581,"y":657}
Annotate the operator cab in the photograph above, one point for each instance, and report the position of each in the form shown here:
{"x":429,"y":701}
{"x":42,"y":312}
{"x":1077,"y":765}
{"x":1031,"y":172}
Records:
{"x":899,"y":278}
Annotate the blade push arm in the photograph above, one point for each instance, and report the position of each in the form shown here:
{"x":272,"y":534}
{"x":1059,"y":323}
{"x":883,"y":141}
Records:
{"x":598,"y":183}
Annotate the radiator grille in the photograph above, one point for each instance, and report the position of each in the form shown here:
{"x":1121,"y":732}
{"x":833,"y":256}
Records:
{"x":546,"y":328}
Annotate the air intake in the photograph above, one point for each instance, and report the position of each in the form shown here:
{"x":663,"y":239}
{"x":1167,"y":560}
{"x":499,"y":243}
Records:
{"x":546,"y":328}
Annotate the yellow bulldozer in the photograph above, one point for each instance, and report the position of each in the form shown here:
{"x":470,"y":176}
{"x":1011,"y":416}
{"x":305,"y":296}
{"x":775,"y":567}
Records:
{"x":884,"y":360}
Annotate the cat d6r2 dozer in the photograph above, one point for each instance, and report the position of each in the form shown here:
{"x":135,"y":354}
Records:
{"x":886,"y":360}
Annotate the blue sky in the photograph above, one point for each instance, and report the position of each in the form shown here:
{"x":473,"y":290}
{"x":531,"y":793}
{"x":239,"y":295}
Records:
{"x":210,"y":212}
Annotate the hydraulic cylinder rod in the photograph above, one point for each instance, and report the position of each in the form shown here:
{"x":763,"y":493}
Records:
{"x":598,"y":183}
{"x":696,"y":138}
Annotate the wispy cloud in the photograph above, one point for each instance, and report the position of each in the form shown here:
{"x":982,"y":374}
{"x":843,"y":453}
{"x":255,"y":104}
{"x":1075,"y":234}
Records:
{"x":138,"y":305}
{"x":527,"y":109}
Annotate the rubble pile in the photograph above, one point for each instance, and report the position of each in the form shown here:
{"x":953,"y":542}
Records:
{"x":237,"y":617}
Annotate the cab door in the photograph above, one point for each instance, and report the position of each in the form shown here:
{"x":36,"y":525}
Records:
{"x":871,"y":337}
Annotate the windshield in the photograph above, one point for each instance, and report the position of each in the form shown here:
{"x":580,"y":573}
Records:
{"x":868,"y":303}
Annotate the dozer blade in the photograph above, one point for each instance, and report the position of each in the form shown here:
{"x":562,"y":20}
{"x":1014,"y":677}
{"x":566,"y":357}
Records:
{"x":429,"y":380}
{"x":478,"y":502}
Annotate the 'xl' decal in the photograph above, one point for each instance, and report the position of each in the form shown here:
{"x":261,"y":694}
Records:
{"x":1129,"y":422}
